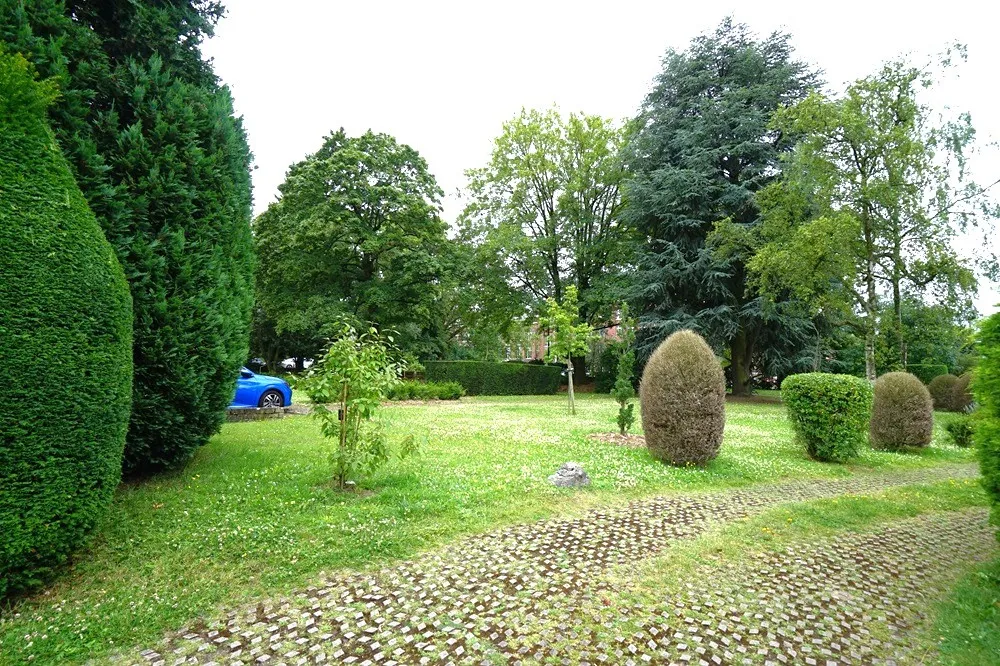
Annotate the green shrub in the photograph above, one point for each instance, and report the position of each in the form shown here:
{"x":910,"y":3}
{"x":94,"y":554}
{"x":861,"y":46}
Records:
{"x":830,"y":413}
{"x":416,"y":390}
{"x":65,"y":345}
{"x":902,"y":412}
{"x":961,"y":395}
{"x":489,"y":378}
{"x":683,"y":395}
{"x":942,"y":389}
{"x":926,"y":372}
{"x":961,"y":430}
{"x":986,"y":389}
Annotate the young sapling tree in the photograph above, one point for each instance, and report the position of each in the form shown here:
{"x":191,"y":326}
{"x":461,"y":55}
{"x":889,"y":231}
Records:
{"x":624,"y":389}
{"x":347,"y":386}
{"x":569,"y":336}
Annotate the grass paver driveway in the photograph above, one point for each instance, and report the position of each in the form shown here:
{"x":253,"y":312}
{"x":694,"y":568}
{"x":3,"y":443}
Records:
{"x":551,"y":591}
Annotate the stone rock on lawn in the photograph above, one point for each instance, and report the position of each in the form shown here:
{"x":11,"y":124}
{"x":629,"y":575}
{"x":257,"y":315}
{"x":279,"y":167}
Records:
{"x":570,"y":475}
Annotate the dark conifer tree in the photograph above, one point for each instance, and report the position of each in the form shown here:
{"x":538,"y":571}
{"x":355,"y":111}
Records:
{"x":152,"y":140}
{"x":702,"y":148}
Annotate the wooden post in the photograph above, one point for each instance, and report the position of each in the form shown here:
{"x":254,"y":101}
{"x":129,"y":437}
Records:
{"x":572,"y":404}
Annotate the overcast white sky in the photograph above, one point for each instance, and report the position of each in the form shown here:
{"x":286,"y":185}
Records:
{"x":443,"y":76}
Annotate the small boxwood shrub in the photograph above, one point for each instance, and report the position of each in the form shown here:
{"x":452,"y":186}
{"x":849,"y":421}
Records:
{"x":489,"y":378}
{"x":942,"y":389}
{"x":902,"y":412}
{"x":683,"y":398}
{"x":66,"y":341}
{"x":961,"y":430}
{"x":414,"y":390}
{"x":830,"y":413}
{"x":986,"y":389}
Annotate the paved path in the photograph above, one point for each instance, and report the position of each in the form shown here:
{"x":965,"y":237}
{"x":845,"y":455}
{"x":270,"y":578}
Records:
{"x":476,"y":601}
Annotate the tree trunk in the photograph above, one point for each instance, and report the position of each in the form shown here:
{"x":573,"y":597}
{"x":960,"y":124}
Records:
{"x":572,"y":404}
{"x":739,"y":355}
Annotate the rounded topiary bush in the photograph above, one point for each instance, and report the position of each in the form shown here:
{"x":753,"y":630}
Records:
{"x":902,"y":412}
{"x":65,"y":345}
{"x":683,"y":394}
{"x":961,"y":395}
{"x":942,"y":390}
{"x":830,"y":413}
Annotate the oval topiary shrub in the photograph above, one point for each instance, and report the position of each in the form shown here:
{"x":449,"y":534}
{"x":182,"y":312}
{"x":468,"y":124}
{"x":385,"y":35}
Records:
{"x":683,"y":396}
{"x":961,"y":395}
{"x":902,"y":412}
{"x":830,"y":413}
{"x":65,"y":345}
{"x":942,"y":388}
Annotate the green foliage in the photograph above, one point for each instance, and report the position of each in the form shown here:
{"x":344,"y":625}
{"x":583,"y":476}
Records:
{"x":830,"y":413}
{"x":415,"y":390}
{"x":356,"y":234}
{"x":942,"y":389}
{"x":624,"y":388}
{"x":962,"y":429}
{"x":354,"y":375}
{"x":927,"y":372}
{"x":683,"y":396}
{"x":872,"y":197}
{"x":543,"y":213}
{"x":703,"y":147}
{"x":902,"y":412}
{"x":490,"y":378}
{"x":986,"y":389}
{"x":65,"y":341}
{"x":151,"y":137}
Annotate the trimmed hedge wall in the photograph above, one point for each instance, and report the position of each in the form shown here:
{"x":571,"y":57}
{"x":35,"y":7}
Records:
{"x":410,"y":389}
{"x":830,"y":413}
{"x":986,"y":388}
{"x":489,"y":378}
{"x":65,"y":345}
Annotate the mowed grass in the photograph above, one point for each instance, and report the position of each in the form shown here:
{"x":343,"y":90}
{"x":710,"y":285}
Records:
{"x":254,"y":514}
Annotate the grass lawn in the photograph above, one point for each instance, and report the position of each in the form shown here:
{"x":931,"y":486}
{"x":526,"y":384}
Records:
{"x":967,"y":629}
{"x":254,"y":514}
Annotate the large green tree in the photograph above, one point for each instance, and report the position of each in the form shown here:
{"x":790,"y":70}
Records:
{"x":872,"y":198}
{"x":152,"y":140}
{"x":544,"y":212}
{"x":356,"y":234}
{"x":703,"y":146}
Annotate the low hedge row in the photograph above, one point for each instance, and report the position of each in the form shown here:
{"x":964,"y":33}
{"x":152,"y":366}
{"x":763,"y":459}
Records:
{"x":414,"y":390}
{"x":830,"y":413}
{"x":490,"y":378}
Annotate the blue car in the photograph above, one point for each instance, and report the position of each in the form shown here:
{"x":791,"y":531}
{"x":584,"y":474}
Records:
{"x":253,"y":390}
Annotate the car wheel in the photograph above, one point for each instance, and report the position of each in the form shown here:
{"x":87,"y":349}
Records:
{"x":271,"y":399}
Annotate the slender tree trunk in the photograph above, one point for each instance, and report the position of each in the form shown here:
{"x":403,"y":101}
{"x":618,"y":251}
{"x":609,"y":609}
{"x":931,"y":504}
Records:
{"x":341,"y":472}
{"x":739,"y":353}
{"x":572,"y":404}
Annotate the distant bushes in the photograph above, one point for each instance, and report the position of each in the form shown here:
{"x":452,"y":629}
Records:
{"x":961,"y":395}
{"x":942,"y":390}
{"x":683,"y":394}
{"x":830,"y":413}
{"x":489,"y":378}
{"x":902,"y":412}
{"x":414,"y":390}
{"x":926,"y":372}
{"x":986,"y":388}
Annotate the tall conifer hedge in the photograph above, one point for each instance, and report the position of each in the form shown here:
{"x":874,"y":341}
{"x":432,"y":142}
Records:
{"x":151,"y":137}
{"x":65,"y":345}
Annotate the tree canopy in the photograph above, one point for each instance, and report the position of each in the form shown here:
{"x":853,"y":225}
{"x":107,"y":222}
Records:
{"x":356,"y":234}
{"x":872,"y":198}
